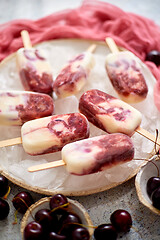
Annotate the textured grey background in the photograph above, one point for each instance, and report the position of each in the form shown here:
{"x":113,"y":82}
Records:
{"x":100,"y":205}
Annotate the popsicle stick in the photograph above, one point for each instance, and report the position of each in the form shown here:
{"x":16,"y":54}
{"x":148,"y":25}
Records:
{"x":111,"y":44}
{"x":46,"y":166}
{"x":92,"y":48}
{"x":26,"y":39}
{"x":148,"y":135}
{"x":10,"y":142}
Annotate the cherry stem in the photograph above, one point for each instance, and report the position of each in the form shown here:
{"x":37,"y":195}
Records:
{"x":8,"y":192}
{"x":59,"y":207}
{"x":25,"y":204}
{"x":15,"y":217}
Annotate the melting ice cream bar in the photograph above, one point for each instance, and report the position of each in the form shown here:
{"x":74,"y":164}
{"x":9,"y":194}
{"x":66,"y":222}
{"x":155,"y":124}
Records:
{"x":125,"y":73}
{"x":98,"y":153}
{"x":93,"y":154}
{"x":109,"y":113}
{"x":34,"y":69}
{"x":17,"y":107}
{"x":74,"y":75}
{"x":50,"y":134}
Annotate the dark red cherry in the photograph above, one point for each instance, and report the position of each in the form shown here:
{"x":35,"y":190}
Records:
{"x":79,"y":233}
{"x":47,"y":221}
{"x":121,"y":220}
{"x":152,"y":184}
{"x":57,"y":201}
{"x":153,"y":56}
{"x":67,"y":223}
{"x":4,"y":209}
{"x":3,"y":185}
{"x":56,"y":236}
{"x":69,"y":217}
{"x":156,"y":198}
{"x":33,"y":231}
{"x":22,"y":201}
{"x":104,"y":232}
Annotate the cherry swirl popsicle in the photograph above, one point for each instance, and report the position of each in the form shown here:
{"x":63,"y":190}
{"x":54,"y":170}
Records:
{"x":73,"y":75}
{"x":34,"y":70}
{"x":50,"y":134}
{"x":93,"y":154}
{"x":112,"y":115}
{"x":125,"y":73}
{"x":17,"y":107}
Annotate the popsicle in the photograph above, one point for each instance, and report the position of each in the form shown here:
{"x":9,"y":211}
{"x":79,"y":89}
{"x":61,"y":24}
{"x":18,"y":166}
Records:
{"x":34,"y":69}
{"x":93,"y":154}
{"x":74,"y":74}
{"x":17,"y":107}
{"x":111,"y":114}
{"x":50,"y":134}
{"x":125,"y":73}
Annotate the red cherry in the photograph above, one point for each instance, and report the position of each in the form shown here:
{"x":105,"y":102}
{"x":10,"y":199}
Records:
{"x":4,"y":209}
{"x":33,"y":231}
{"x":48,"y":221}
{"x":3,"y":185}
{"x":121,"y":220}
{"x":22,"y":201}
{"x":105,"y":231}
{"x":152,"y":184}
{"x":56,"y":236}
{"x":153,"y":56}
{"x":56,"y":201}
{"x":156,"y":198}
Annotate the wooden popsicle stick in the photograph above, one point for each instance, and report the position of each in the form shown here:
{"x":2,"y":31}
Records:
{"x":26,"y":39}
{"x":148,"y":135}
{"x":91,"y":48}
{"x":114,"y":49}
{"x":44,"y":166}
{"x":10,"y":142}
{"x":111,"y":44}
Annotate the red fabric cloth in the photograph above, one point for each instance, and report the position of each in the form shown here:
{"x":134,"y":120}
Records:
{"x":93,"y":20}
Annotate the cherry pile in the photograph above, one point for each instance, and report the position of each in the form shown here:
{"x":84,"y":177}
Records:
{"x":121,"y":221}
{"x":56,"y":223}
{"x":60,"y":223}
{"x":4,"y":206}
{"x":153,"y":190}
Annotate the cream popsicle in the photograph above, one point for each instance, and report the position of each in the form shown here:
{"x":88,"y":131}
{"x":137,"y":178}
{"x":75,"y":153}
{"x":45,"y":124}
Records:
{"x":109,"y":113}
{"x":125,"y":73}
{"x":73,"y":76}
{"x":93,"y":154}
{"x":17,"y":107}
{"x":50,"y":134}
{"x":98,"y":153}
{"x":34,"y":69}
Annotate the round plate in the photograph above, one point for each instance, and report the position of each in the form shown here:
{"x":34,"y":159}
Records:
{"x":14,"y":161}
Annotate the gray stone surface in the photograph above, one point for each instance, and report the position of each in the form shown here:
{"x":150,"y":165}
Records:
{"x":100,"y":205}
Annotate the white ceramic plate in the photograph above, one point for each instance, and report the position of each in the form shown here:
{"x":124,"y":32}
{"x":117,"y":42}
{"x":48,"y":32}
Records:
{"x":14,"y":161}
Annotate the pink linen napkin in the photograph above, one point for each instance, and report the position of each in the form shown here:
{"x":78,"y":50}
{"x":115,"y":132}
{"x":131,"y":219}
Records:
{"x":92,"y":20}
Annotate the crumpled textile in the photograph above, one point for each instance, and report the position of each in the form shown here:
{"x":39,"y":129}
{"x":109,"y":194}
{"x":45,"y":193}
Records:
{"x":92,"y":20}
